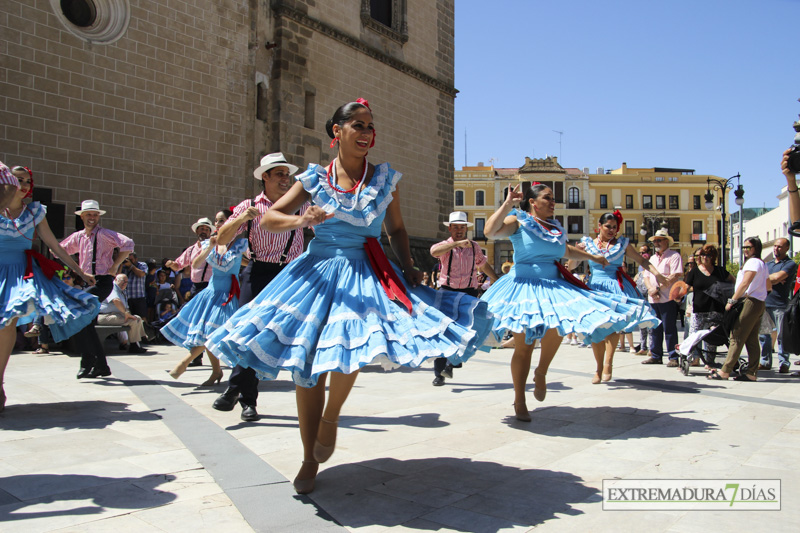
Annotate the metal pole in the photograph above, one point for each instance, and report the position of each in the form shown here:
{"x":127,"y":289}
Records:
{"x":741,"y":235}
{"x":724,"y":254}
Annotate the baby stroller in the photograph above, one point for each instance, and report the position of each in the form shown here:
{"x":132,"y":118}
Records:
{"x":715,"y":337}
{"x":692,"y":346}
{"x":163,"y":297}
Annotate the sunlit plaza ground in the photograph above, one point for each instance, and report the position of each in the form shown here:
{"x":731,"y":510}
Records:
{"x":142,"y":452}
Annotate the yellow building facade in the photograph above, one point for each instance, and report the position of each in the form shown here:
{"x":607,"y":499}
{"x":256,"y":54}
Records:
{"x":479,"y":191}
{"x":649,"y":199}
{"x":652,"y":198}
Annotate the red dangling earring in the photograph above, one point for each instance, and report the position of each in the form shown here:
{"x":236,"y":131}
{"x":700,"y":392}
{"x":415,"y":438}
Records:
{"x":334,"y":141}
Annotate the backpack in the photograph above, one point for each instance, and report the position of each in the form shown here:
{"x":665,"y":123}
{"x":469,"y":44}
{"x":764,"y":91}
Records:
{"x":790,"y":327}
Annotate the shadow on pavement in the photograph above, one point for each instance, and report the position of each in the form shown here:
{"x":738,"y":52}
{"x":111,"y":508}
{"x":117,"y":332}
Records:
{"x":604,"y":423}
{"x":552,"y":386}
{"x":94,"y":414}
{"x":457,"y":494}
{"x":51,"y":490}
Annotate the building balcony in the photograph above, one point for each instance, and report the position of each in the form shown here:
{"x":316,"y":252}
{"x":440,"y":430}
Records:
{"x":576,"y":205}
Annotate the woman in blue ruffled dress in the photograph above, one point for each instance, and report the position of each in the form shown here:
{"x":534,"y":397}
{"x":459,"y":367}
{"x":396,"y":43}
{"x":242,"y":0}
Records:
{"x":29,"y":288}
{"x":342,"y":305}
{"x":539,"y":298}
{"x":211,"y":307}
{"x":613,"y":278}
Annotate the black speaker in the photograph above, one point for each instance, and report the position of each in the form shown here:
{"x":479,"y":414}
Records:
{"x":55,"y":212}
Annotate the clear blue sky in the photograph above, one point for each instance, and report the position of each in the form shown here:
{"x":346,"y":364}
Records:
{"x":705,"y":84}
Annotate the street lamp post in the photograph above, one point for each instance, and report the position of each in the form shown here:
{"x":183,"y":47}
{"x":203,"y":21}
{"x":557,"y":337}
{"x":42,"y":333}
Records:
{"x":722,"y":185}
{"x":650,"y":221}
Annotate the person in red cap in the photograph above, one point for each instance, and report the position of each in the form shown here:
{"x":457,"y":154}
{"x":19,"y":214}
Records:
{"x":29,"y":288}
{"x":8,"y":186}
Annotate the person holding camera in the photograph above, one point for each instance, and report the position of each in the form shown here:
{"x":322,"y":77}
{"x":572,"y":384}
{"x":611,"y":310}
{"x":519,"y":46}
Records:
{"x":136,"y":272}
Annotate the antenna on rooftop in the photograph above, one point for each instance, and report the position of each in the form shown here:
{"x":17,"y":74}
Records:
{"x":560,"y":134}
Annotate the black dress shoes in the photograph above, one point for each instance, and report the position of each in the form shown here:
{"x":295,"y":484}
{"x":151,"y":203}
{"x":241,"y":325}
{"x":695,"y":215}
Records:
{"x":249,"y":413}
{"x":226,"y":401}
{"x":99,"y":372}
{"x":84,"y":373}
{"x":438,"y":381}
{"x":136,"y":348}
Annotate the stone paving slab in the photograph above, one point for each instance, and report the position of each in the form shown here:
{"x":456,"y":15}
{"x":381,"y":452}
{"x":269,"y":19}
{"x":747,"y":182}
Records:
{"x":142,"y":452}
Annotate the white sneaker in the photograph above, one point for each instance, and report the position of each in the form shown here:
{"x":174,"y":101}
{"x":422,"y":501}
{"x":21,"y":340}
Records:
{"x":574,"y":342}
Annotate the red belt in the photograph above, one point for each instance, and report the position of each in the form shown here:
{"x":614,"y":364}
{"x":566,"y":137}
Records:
{"x":234,"y":290}
{"x":622,"y":274}
{"x":48,"y":266}
{"x":569,"y":277}
{"x":391,"y":284}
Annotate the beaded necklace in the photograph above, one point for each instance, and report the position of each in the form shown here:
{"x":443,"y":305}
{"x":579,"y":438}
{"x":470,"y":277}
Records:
{"x":333,"y":182}
{"x":542,"y":223}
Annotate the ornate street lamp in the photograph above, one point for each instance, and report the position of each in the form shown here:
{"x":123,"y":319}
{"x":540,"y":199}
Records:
{"x":722,"y":185}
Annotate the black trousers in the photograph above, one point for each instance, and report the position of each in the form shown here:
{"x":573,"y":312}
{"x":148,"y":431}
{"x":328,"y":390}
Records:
{"x":199,"y":286}
{"x":440,"y":363}
{"x":255,"y":277}
{"x":138,"y":306}
{"x":87,"y":341}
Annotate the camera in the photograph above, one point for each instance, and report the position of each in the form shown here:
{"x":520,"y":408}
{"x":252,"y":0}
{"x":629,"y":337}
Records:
{"x":794,"y":151}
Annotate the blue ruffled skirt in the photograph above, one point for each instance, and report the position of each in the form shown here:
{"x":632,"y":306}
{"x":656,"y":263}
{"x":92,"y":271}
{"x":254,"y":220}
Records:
{"x":532,"y":299}
{"x":201,"y":316}
{"x":643,"y":317}
{"x":66,"y":310}
{"x":327,"y":312}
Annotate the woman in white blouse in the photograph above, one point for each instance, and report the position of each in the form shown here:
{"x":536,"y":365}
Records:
{"x":752,"y":285}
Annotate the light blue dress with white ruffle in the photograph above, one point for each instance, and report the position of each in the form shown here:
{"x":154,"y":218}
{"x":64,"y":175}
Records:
{"x":205,"y":312}
{"x":533,"y":297}
{"x":326,"y":311}
{"x":605,"y":279}
{"x":66,"y":310}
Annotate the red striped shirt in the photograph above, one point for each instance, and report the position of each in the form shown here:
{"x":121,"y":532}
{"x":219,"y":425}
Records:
{"x":6,"y":177}
{"x":268,"y":246}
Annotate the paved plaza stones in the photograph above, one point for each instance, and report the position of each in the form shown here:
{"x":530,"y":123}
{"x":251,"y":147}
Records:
{"x":141,"y":452}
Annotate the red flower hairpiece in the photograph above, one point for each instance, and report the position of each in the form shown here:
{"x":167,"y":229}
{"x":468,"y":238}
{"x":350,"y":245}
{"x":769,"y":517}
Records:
{"x":535,"y":183}
{"x":618,"y":217}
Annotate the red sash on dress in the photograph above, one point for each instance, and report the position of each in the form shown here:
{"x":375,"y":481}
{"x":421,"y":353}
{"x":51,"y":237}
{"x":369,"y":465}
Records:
{"x":234,"y":290}
{"x":622,"y":274}
{"x":48,"y":266}
{"x":391,"y":284}
{"x":569,"y":277}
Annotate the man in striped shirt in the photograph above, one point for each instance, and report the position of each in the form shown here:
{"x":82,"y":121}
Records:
{"x":9,"y":185}
{"x":269,"y":253}
{"x":100,"y":252}
{"x":200,"y":276}
{"x":460,"y":261}
{"x":136,"y":272}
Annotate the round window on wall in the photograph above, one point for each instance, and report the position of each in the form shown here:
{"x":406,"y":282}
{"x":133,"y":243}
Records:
{"x":81,"y":13}
{"x":94,"y":21}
